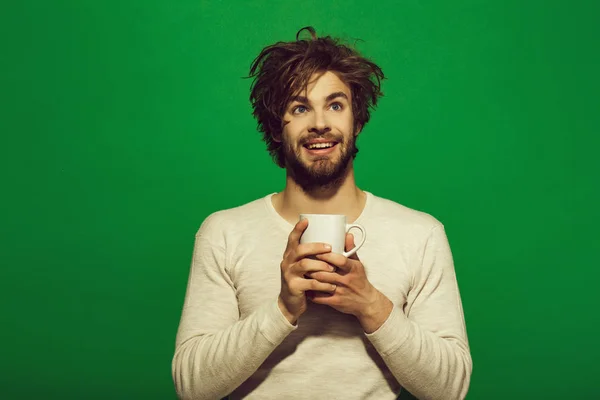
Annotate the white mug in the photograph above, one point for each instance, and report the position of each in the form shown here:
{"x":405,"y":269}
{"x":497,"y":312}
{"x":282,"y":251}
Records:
{"x":330,"y":229}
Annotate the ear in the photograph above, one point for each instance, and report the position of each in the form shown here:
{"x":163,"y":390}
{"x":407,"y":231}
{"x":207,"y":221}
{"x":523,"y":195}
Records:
{"x":358,"y":130}
{"x":277,"y":136}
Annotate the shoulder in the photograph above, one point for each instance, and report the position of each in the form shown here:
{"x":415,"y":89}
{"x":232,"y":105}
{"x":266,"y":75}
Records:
{"x":387,"y":212}
{"x":226,"y":222}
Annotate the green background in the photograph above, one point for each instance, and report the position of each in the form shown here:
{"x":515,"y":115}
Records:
{"x":125,"y":123}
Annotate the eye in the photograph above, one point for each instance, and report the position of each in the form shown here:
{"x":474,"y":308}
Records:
{"x":337,"y":107}
{"x":299,"y":110}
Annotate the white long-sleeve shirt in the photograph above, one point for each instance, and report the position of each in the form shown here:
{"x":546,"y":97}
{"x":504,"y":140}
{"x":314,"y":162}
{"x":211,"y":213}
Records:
{"x":233,"y":339}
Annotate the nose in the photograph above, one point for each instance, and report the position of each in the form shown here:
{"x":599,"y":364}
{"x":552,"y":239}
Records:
{"x":319,"y":123}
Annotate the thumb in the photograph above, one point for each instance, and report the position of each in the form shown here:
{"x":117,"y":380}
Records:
{"x":350,"y":245}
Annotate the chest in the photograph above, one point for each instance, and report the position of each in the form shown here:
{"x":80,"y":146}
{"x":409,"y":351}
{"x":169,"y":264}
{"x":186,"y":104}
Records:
{"x":255,"y":271}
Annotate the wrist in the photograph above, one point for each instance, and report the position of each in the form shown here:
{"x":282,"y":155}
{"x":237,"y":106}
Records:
{"x":292,"y":319}
{"x":375,"y":313}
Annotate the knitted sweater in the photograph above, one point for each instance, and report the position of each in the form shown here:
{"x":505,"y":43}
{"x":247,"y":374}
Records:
{"x":233,"y":339}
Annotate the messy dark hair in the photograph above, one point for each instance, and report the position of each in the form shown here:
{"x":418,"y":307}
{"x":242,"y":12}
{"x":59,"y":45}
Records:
{"x":283,"y":70}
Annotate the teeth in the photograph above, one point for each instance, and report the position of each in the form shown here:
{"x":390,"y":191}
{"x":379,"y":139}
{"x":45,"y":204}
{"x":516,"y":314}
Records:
{"x":320,"y":145}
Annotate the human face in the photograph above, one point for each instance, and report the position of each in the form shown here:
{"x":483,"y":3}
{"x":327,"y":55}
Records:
{"x":322,"y":114}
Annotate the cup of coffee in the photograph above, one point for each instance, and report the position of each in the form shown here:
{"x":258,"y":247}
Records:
{"x":330,"y":229}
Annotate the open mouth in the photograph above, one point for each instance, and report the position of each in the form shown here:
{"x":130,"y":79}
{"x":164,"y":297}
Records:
{"x":321,"y":147}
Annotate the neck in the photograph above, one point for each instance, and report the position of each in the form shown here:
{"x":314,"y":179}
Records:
{"x":345,"y":198}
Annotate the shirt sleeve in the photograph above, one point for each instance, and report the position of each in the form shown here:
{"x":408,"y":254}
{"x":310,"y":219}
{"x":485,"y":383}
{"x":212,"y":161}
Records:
{"x":215,"y":351}
{"x":424,"y":342}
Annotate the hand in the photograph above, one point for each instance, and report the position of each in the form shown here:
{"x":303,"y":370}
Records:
{"x":354,"y":293}
{"x":294,"y":266}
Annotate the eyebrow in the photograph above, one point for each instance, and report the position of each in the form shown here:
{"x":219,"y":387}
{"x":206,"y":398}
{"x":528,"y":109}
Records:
{"x":335,"y":95}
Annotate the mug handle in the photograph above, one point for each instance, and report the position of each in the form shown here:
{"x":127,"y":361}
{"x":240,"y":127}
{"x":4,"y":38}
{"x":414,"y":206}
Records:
{"x":356,"y":246}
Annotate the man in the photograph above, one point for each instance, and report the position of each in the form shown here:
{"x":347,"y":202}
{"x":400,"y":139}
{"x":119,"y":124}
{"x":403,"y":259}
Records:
{"x":266,"y":317}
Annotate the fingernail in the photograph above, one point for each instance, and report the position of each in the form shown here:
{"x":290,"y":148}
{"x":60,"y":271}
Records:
{"x":331,"y":269}
{"x":327,"y":247}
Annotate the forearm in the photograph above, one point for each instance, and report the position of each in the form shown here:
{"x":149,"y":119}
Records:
{"x":427,"y":365}
{"x":212,"y":365}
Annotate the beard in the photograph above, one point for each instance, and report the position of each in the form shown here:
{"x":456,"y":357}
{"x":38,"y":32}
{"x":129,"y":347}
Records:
{"x":321,"y":173}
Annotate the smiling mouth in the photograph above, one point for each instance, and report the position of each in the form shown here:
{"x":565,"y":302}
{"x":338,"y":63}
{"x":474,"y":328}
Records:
{"x":320,"y":146}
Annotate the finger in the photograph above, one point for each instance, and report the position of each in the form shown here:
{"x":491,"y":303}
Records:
{"x":314,"y":285}
{"x":337,"y":260}
{"x":329,"y":299}
{"x":307,"y":265}
{"x":326,"y":277}
{"x":322,"y":294}
{"x":296,"y":233}
{"x":311,"y":249}
{"x":350,"y":245}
